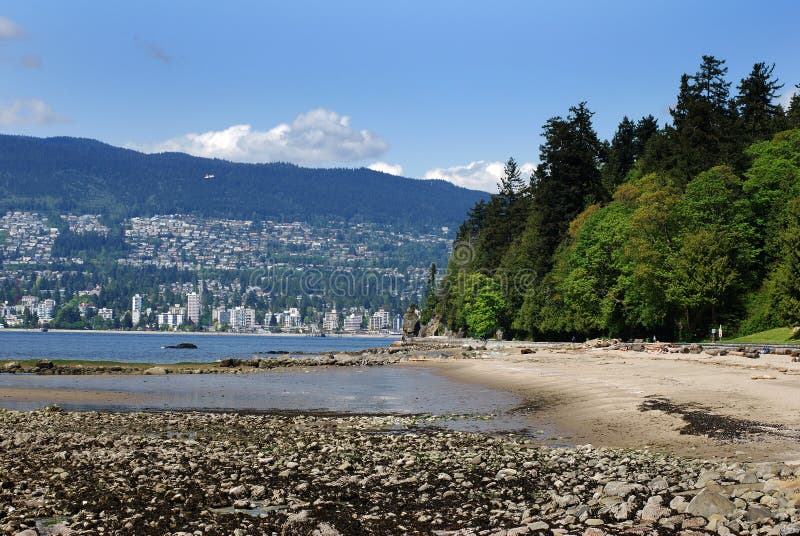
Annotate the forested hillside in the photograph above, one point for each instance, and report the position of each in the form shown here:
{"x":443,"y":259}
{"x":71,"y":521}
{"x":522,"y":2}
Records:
{"x":86,"y":176}
{"x":665,"y":231}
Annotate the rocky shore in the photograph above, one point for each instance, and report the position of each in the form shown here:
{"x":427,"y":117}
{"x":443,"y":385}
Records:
{"x":231,"y":365}
{"x":414,"y":349}
{"x":199,"y":473}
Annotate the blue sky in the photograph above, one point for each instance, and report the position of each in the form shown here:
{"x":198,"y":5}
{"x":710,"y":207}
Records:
{"x":427,"y":89}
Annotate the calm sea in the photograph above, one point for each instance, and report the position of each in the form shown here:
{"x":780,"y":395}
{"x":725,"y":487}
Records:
{"x":147,"y":348}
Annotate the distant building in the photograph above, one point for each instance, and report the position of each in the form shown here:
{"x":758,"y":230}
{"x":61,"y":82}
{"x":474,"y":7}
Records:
{"x":292,"y":318}
{"x":171,"y":320}
{"x":379,"y":320}
{"x":242,"y":318}
{"x":397,"y":323}
{"x":136,"y":309}
{"x":45,"y":310}
{"x":193,"y":307}
{"x":85,"y":308}
{"x":7,"y":310}
{"x":105,"y":313}
{"x":353,"y":321}
{"x":221,"y":315}
{"x":29,"y":302}
{"x":330,"y":321}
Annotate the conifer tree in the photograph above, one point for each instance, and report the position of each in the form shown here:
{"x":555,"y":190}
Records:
{"x":704,"y":127}
{"x":758,"y":111}
{"x":793,"y":111}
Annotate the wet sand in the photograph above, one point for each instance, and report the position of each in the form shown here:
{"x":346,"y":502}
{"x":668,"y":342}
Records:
{"x":697,"y":406}
{"x":685,"y":404}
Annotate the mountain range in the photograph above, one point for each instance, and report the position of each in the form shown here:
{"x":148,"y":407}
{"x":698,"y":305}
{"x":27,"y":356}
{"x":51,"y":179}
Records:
{"x":64,"y":174}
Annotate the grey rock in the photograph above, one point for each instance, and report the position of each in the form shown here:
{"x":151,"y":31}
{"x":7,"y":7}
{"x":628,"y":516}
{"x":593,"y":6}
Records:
{"x":706,"y":477}
{"x":659,"y":483}
{"x":653,"y":510}
{"x":707,"y":503}
{"x":324,"y":529}
{"x":757,"y":513}
{"x":618,"y":488}
{"x":678,"y":504}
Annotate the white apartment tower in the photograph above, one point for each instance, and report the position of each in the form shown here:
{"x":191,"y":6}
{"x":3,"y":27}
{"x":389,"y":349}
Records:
{"x":193,"y":307}
{"x":331,"y":320}
{"x":136,"y":309}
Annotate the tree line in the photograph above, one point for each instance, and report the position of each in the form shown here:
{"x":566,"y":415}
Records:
{"x":662,"y":231}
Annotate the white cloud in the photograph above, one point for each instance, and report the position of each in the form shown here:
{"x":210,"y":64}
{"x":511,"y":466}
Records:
{"x":10,"y":29}
{"x":787,"y":97}
{"x":315,"y":137}
{"x":29,"y":112}
{"x":477,"y":175}
{"x":383,"y":167}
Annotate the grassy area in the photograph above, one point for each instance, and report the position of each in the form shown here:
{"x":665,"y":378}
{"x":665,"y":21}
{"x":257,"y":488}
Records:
{"x":774,"y":336}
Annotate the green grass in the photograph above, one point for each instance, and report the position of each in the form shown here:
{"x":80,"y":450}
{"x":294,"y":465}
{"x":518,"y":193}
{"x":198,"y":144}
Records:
{"x":777,"y":335}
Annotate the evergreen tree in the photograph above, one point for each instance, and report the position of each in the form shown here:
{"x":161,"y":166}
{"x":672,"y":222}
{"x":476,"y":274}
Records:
{"x":704,"y":127}
{"x":622,"y":154}
{"x":646,"y":128}
{"x":793,"y":111}
{"x":511,"y":183}
{"x":566,"y":181}
{"x":758,"y":111}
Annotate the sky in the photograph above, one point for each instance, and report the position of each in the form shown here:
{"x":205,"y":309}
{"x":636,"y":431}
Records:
{"x":425,"y":89}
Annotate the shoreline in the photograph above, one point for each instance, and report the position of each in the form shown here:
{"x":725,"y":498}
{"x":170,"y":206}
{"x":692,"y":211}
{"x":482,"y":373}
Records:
{"x":696,"y":405}
{"x":203,"y":333}
{"x":699,"y":406}
{"x":304,"y":472}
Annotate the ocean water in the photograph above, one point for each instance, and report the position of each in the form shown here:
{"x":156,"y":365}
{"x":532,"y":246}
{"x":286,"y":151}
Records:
{"x":147,"y":347}
{"x":399,"y":389}
{"x":404,"y":389}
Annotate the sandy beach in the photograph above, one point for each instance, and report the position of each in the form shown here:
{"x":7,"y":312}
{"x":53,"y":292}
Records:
{"x":692,"y":405}
{"x":680,"y":444}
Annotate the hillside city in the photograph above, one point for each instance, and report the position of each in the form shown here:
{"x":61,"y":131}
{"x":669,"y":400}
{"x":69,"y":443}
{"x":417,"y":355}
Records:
{"x":210,"y":274}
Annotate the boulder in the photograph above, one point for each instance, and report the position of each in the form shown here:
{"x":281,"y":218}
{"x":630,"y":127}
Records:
{"x":44,"y":364}
{"x":620,"y":488}
{"x":411,"y":325}
{"x":183,"y":346}
{"x":757,"y":513}
{"x":707,"y":503}
{"x":155,"y":371}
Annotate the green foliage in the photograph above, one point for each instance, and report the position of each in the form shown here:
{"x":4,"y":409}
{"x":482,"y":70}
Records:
{"x":483,"y":306}
{"x":701,"y":226}
{"x":786,"y":277}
